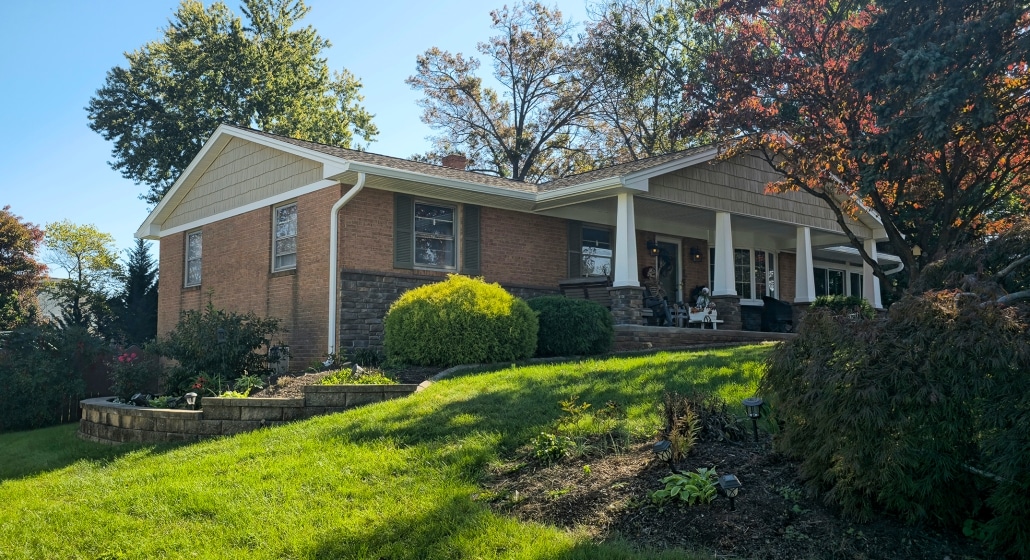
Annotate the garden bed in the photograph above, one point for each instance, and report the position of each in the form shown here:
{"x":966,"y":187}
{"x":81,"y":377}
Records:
{"x":104,"y":420}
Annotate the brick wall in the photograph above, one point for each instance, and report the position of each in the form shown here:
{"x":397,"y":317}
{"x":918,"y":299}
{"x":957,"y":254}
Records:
{"x":788,"y":274}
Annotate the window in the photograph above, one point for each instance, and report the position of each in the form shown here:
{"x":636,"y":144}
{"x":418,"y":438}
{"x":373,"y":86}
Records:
{"x":754,"y":272}
{"x":828,"y":282}
{"x":194,"y":242}
{"x":434,"y":235}
{"x":856,"y":284}
{"x":284,"y":243}
{"x":596,"y":251}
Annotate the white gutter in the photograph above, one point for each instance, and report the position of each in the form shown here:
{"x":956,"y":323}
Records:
{"x":334,"y":242}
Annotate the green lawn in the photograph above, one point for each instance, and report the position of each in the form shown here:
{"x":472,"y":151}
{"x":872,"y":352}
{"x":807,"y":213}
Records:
{"x":393,"y":480}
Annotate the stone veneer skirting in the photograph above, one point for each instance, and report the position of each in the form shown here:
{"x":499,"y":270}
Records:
{"x":109,"y":422}
{"x":365,"y":297}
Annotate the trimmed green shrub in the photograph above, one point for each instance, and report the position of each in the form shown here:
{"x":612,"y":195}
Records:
{"x":216,"y":345}
{"x":459,"y":321}
{"x":572,"y":327}
{"x":845,"y":305}
{"x":925,"y":413}
{"x":41,"y":369}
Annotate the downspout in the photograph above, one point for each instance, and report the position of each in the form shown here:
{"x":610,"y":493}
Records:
{"x":334,"y":243}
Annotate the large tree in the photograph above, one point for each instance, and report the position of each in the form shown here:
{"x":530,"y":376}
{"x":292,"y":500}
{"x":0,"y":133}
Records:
{"x":213,"y":67}
{"x":920,"y":113}
{"x":135,"y":303}
{"x":87,"y":255}
{"x":536,"y":125}
{"x":20,"y":273}
{"x":644,"y":52}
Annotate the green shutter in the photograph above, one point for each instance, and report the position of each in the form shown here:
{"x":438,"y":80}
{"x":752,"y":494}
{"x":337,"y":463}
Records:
{"x":403,"y":231}
{"x":470,"y":246}
{"x":575,"y":249}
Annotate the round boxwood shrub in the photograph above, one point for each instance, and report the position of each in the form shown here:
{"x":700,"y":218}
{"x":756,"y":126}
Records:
{"x":459,"y":321}
{"x":572,"y":327}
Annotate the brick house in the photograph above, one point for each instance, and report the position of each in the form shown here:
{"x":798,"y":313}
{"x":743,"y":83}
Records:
{"x":274,"y":225}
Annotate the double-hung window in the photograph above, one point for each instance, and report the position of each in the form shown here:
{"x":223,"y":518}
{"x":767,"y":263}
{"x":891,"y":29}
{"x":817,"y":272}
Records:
{"x":754,"y":272}
{"x":434,"y":235}
{"x":194,"y":244}
{"x":596,"y":249}
{"x":284,"y":243}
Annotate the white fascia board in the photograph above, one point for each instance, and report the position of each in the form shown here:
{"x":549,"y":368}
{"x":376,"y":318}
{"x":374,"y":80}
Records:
{"x":687,"y":161}
{"x":272,"y":200}
{"x":331,"y":166}
{"x":414,"y":176}
{"x":851,"y":251}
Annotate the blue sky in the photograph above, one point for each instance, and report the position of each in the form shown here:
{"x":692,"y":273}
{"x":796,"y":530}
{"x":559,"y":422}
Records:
{"x":55,"y":54}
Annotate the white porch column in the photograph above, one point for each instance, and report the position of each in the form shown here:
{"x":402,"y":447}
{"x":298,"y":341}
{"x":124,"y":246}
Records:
{"x":625,"y":243}
{"x":870,"y":283}
{"x":723,"y":284}
{"x":804,"y":290}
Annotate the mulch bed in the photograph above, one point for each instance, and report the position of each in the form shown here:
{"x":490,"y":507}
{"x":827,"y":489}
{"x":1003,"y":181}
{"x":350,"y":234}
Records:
{"x":290,"y":386}
{"x":609,"y":496}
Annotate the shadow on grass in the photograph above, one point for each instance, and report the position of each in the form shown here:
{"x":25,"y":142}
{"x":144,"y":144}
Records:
{"x":34,"y":452}
{"x":516,"y":404}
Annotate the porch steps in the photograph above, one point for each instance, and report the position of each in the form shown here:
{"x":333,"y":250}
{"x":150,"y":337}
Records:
{"x":636,"y":337}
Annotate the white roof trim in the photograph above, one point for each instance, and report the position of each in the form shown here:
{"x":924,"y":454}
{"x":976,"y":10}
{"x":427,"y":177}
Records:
{"x":405,"y":175}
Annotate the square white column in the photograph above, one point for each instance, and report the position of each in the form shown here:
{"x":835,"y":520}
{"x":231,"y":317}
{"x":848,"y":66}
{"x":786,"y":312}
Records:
{"x":870,"y":283}
{"x":724,"y":282}
{"x":804,"y":285}
{"x":625,"y":243}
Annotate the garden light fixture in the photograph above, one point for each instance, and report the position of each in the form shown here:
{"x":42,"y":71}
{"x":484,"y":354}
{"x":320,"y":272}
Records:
{"x":191,"y":400}
{"x":663,"y":451}
{"x":753,"y":406}
{"x":730,"y":485}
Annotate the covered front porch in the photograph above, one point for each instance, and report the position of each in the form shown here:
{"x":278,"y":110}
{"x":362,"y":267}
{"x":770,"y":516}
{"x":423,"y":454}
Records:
{"x":710,"y":224}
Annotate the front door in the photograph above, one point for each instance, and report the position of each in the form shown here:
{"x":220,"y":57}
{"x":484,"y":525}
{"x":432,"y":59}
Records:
{"x":668,"y":265}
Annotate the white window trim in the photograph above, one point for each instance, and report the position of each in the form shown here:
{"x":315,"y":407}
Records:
{"x":186,"y":261}
{"x":848,"y":269}
{"x":611,"y":247}
{"x":275,"y":218}
{"x":457,"y":234}
{"x":751,"y":250}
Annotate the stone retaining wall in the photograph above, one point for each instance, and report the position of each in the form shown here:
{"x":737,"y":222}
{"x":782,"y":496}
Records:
{"x":110,"y":422}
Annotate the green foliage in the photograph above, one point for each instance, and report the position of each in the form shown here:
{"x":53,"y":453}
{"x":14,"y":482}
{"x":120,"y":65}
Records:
{"x":211,"y":66}
{"x":694,"y":488}
{"x":20,"y":273}
{"x":88,"y":256}
{"x":459,"y":321}
{"x":551,"y":447}
{"x":925,"y":413}
{"x":248,"y":383}
{"x":845,"y":305}
{"x":194,"y":344}
{"x":346,"y":376}
{"x":135,"y":303}
{"x":367,"y":357}
{"x":235,"y":394}
{"x":572,"y":327}
{"x":166,"y":401}
{"x":41,"y":374}
{"x":131,"y":373}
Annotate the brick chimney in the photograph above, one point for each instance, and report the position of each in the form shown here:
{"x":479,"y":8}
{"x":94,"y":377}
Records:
{"x":455,"y":161}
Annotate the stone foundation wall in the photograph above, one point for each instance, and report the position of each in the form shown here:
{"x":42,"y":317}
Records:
{"x":729,"y":312}
{"x":365,"y":297}
{"x":109,"y":422}
{"x":635,"y":337}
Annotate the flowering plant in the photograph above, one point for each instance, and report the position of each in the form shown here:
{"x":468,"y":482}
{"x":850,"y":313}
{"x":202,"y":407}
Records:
{"x":130,"y":373}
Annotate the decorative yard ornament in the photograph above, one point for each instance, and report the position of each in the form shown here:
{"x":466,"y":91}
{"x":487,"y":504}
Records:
{"x":753,"y":406}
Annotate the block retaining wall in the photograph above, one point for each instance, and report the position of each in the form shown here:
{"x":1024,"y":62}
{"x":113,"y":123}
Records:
{"x":109,"y":422}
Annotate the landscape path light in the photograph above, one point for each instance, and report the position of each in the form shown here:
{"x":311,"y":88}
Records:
{"x":730,"y":485}
{"x":191,"y":400}
{"x":663,"y":450}
{"x":753,"y":406}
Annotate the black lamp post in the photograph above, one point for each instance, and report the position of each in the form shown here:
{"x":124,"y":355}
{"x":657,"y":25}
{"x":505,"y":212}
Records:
{"x":730,"y":485}
{"x":753,"y":406}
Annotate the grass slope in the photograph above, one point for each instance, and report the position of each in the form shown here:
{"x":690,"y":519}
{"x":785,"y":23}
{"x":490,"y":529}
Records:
{"x":393,"y":480}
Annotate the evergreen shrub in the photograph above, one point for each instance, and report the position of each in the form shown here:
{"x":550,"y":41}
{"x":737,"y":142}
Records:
{"x":41,"y":374}
{"x":925,"y":413}
{"x":459,"y":321}
{"x":572,"y":327}
{"x":845,"y":305}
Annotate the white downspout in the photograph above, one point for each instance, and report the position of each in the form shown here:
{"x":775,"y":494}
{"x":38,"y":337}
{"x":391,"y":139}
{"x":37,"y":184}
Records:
{"x":334,"y":243}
